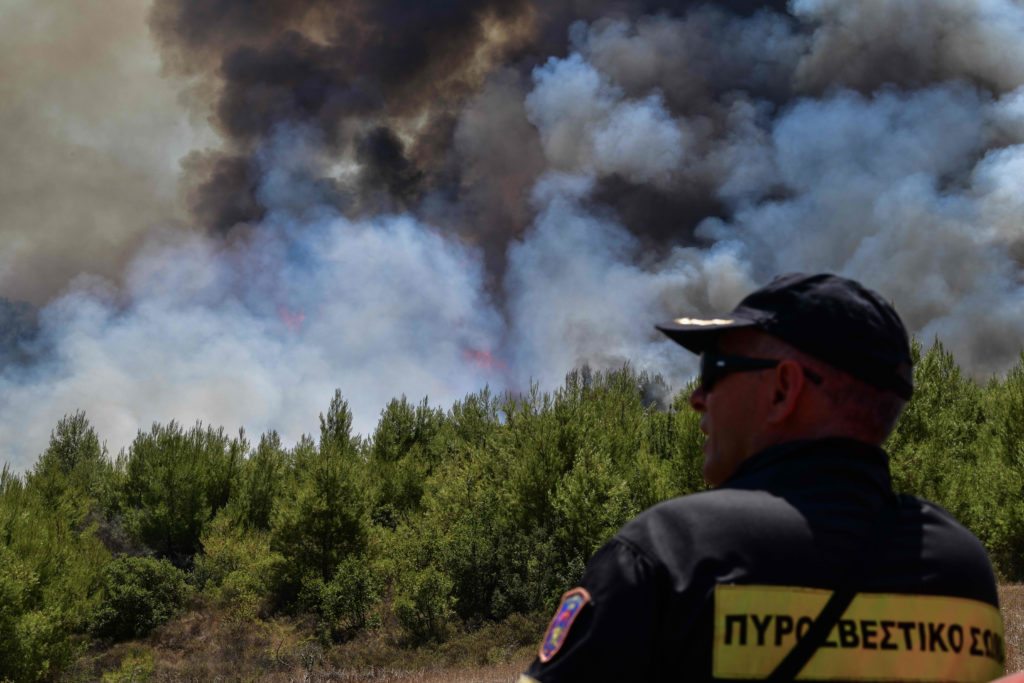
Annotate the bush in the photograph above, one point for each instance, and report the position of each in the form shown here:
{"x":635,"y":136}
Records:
{"x":49,"y":577}
{"x":260,"y":483}
{"x":401,"y":459}
{"x":343,"y":603}
{"x":424,"y":604}
{"x":174,"y":482}
{"x":324,"y":519}
{"x":955,"y":445}
{"x":28,"y":635}
{"x":139,"y":594}
{"x":74,"y":467}
{"x":237,"y":568}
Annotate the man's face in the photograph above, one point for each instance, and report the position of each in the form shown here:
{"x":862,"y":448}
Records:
{"x":733,"y":411}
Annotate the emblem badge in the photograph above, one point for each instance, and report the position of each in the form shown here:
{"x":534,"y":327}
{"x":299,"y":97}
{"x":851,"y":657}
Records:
{"x":570,"y":608}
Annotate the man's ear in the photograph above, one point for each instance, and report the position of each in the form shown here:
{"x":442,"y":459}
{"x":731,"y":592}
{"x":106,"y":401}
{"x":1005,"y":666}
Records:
{"x":788,"y":385}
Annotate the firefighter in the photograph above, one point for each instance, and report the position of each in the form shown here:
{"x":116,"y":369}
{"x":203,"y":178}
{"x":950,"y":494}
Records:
{"x":801,"y":560}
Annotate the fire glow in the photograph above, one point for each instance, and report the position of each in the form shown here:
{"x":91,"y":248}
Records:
{"x":483,"y":360}
{"x":293,"y":320}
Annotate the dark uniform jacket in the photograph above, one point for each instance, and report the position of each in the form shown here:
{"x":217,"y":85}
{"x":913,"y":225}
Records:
{"x":720,"y":584}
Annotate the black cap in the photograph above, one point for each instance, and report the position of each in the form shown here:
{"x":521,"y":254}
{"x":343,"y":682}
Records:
{"x":832,"y":318}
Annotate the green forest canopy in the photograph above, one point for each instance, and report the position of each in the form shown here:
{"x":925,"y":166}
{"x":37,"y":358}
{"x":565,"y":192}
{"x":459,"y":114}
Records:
{"x":441,"y":517}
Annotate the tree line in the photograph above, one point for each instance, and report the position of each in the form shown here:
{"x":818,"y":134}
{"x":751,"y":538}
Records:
{"x":439,"y":518}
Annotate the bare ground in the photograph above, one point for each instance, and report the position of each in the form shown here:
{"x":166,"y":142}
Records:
{"x":1011,"y":599}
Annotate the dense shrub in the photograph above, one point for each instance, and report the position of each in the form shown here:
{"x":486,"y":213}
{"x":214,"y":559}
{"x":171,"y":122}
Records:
{"x":139,"y":594}
{"x":402,"y":455}
{"x":953,"y":446}
{"x":342,"y":604}
{"x":27,"y":634}
{"x":175,"y":481}
{"x":424,"y":603}
{"x":237,"y":568}
{"x":50,"y":563}
{"x":260,"y":483}
{"x":74,"y":464}
{"x":1008,"y":415}
{"x":324,"y":519}
{"x":443,"y":522}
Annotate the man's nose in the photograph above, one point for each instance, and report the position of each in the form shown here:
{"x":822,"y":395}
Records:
{"x":698,"y":398}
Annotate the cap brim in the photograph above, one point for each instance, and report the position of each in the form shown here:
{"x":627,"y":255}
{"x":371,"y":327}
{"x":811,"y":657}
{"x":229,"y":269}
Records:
{"x":700,"y":334}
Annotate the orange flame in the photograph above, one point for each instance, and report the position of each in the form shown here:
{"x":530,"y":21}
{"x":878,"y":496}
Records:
{"x":484,"y":359}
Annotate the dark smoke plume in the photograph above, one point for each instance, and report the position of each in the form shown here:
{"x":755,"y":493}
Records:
{"x":384,"y":83}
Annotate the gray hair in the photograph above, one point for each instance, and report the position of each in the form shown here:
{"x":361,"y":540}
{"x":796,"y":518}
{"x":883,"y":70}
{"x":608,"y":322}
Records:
{"x":861,"y":410}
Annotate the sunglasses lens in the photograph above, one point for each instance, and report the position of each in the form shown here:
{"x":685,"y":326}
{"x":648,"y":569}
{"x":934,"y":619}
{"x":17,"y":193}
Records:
{"x":709,"y":372}
{"x":715,"y":366}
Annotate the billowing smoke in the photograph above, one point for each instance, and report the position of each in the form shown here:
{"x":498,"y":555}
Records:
{"x":427,"y":198}
{"x":90,"y":138}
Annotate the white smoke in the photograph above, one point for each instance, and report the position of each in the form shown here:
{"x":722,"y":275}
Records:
{"x":578,"y":296}
{"x":896,"y":190}
{"x":585,"y":123}
{"x":911,"y":190}
{"x":260,"y":332}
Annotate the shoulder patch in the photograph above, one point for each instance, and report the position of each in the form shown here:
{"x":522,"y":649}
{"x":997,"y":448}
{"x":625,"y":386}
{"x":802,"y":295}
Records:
{"x":570,"y":608}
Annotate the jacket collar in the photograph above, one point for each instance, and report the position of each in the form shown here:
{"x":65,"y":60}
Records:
{"x":814,"y":454}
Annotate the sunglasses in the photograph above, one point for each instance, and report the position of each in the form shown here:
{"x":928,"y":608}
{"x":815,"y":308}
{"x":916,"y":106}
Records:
{"x":715,"y":366}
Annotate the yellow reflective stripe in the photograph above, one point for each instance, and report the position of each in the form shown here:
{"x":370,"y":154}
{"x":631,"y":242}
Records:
{"x":523,"y":678}
{"x":880,"y":637}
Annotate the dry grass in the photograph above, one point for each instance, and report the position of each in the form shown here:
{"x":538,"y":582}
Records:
{"x":207,"y":644}
{"x":498,"y":673}
{"x":1011,"y":598}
